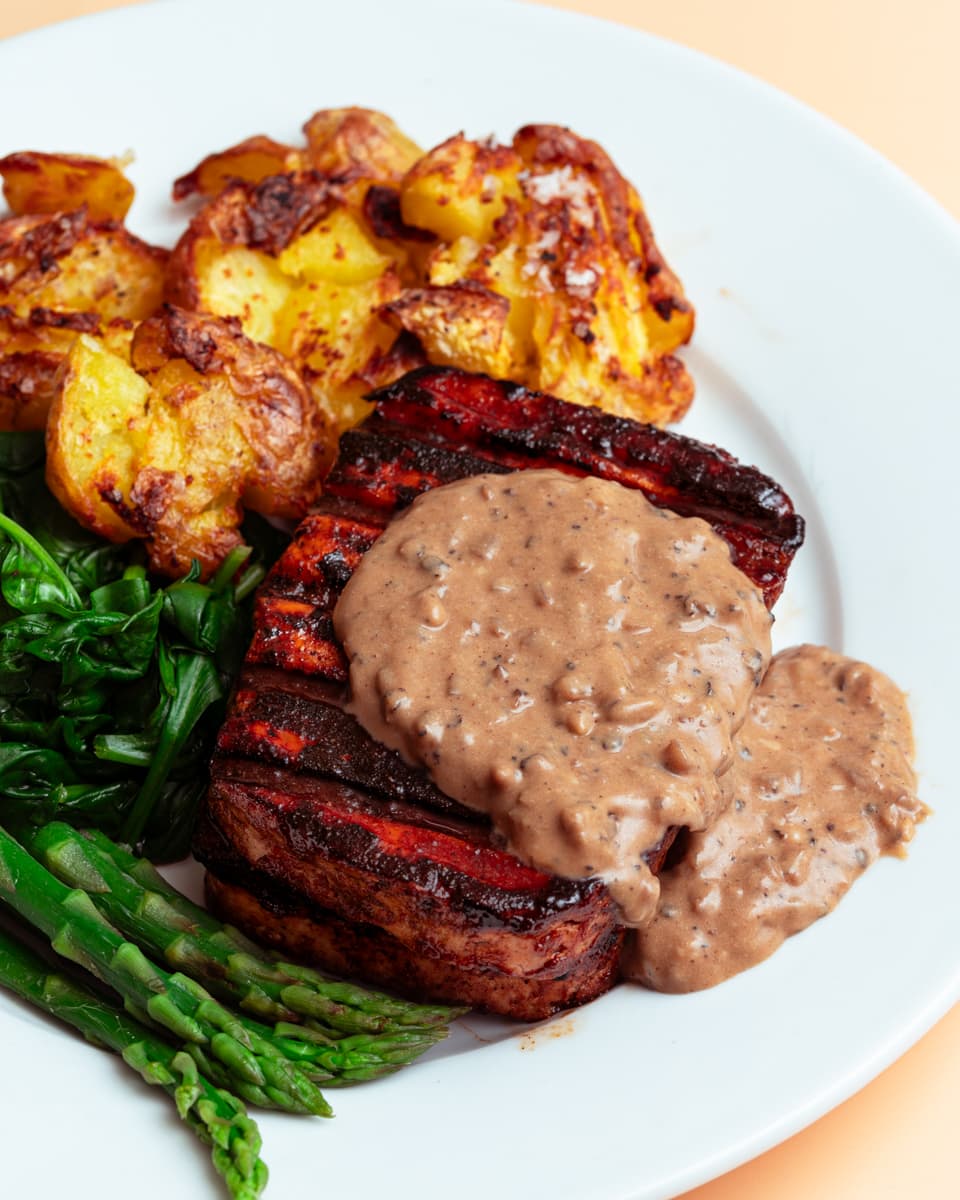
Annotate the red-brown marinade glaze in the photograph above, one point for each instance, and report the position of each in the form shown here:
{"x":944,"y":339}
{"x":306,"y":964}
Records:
{"x":821,"y":786}
{"x":558,"y":653}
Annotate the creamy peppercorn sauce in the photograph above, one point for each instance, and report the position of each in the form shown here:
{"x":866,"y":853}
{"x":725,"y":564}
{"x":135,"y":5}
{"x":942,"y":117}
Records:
{"x":560,"y":654}
{"x":564,"y":656}
{"x":821,"y":785}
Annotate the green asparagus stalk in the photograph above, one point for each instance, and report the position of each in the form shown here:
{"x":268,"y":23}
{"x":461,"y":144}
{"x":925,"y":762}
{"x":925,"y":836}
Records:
{"x":150,"y":920}
{"x":79,"y":932}
{"x":216,"y":1117}
{"x":260,"y":982}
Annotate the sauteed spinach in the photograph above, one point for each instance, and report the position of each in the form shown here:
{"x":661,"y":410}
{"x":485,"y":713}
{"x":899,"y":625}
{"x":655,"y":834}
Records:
{"x":111,"y":687}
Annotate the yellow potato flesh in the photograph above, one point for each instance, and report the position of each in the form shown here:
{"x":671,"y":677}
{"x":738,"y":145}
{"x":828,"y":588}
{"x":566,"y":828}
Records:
{"x":94,"y":435}
{"x":317,"y":301}
{"x":106,"y":272}
{"x":456,"y":195}
{"x":47,"y":183}
{"x":337,"y":250}
{"x":333,"y":329}
{"x":234,"y":281}
{"x":550,"y":226}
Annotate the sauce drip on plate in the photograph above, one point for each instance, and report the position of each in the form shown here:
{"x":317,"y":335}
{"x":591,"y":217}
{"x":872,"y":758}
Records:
{"x":821,"y":785}
{"x":571,"y":660}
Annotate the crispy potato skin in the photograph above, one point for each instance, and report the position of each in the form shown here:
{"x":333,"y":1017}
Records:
{"x":34,"y":182}
{"x":62,"y":274}
{"x":248,"y":162}
{"x":359,"y":143}
{"x":550,"y":225}
{"x":289,"y":247}
{"x":173,"y":444}
{"x":342,"y":143}
{"x":32,"y":350}
{"x":68,"y":262}
{"x":293,"y":259}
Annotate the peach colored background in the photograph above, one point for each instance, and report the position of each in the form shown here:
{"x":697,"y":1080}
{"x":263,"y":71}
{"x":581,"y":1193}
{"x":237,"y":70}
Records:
{"x":887,"y":70}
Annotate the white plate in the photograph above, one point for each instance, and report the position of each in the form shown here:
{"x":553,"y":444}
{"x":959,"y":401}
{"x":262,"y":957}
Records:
{"x":826,"y":289}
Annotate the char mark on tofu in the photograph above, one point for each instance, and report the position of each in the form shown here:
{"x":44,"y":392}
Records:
{"x":328,"y":844}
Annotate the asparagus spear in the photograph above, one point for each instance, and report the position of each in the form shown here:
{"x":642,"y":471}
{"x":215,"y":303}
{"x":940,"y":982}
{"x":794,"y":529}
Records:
{"x":216,"y":1117}
{"x":268,"y":986}
{"x":80,"y":933}
{"x":150,"y":919}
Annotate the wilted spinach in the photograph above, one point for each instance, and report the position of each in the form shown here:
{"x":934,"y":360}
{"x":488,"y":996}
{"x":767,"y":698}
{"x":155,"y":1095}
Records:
{"x":111,"y":689}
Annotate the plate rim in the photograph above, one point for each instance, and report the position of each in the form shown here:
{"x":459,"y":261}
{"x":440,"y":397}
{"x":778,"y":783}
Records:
{"x":939,"y":1004}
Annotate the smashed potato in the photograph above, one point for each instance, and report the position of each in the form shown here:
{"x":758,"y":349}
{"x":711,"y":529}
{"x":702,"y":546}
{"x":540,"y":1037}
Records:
{"x":70,"y":263}
{"x":311,"y":275}
{"x":293,"y":259}
{"x":533,"y":262}
{"x":34,"y":182}
{"x":60,"y":275}
{"x":342,"y":143}
{"x":31,"y":352}
{"x":546,"y":273}
{"x":172,"y":442}
{"x":306,"y":246}
{"x":358,"y":143}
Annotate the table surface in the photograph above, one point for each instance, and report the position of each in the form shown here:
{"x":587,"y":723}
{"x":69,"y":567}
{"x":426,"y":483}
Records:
{"x":886,"y":71}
